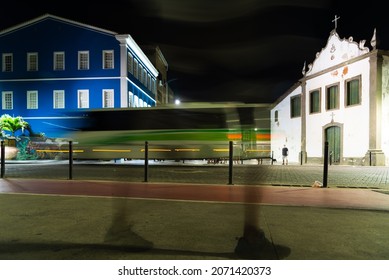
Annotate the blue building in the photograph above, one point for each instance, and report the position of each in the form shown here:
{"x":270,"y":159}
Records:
{"x":52,"y":67}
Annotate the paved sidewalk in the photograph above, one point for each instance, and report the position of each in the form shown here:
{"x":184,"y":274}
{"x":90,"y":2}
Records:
{"x":367,"y":177}
{"x":85,"y":219}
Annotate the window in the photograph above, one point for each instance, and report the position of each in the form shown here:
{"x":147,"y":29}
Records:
{"x":332,"y":98}
{"x":136,"y":101}
{"x":135,"y":68}
{"x":140,"y":102}
{"x":142,"y":75}
{"x":83,"y":99}
{"x":276,"y":116}
{"x":32,"y":61}
{"x":314,"y":102}
{"x":130,"y":63}
{"x":149,"y":82}
{"x":7,"y":100}
{"x":130,"y":99}
{"x":83,"y":60}
{"x":7,"y":62}
{"x":353,"y":92}
{"x":153,"y":86}
{"x":59,"y":99}
{"x":59,"y":61}
{"x":32,"y":99}
{"x":107,"y":59}
{"x":108,"y":98}
{"x":295,"y":106}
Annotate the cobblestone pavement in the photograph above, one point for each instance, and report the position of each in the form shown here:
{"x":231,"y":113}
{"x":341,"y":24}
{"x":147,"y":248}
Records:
{"x":338,"y":176}
{"x":246,"y":174}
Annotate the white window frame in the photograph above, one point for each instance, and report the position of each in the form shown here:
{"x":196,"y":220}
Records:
{"x":149,"y":81}
{"x":141,"y":74}
{"x":59,"y":61}
{"x":108,"y":59}
{"x":32,"y":61}
{"x":83,"y":60}
{"x":144,"y":75}
{"x":7,"y":65}
{"x":130,"y":99}
{"x":153,"y":86}
{"x":135,"y":68}
{"x":58,"y":99}
{"x":108,"y":98}
{"x":136,"y":101}
{"x":7,"y":102}
{"x":32,"y":99}
{"x":130,"y":63}
{"x":82,"y":98}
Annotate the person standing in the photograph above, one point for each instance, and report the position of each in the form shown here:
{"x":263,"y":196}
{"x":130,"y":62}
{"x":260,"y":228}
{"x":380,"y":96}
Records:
{"x":285,"y":153}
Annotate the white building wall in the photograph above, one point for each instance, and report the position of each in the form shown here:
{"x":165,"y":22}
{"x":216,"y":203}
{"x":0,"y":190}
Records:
{"x":385,"y":109}
{"x":286,"y":131}
{"x":355,"y":119}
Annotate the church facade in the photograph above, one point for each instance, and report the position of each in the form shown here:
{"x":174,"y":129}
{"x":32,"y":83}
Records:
{"x":343,"y":100}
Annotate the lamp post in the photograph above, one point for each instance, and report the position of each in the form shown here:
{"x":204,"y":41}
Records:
{"x":167,"y":89}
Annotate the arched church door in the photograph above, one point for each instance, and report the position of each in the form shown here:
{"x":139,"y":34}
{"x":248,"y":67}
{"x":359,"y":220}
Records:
{"x":332,"y":135}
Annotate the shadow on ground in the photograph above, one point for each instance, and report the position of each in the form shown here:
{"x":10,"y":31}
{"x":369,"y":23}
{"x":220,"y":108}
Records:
{"x":55,"y":251}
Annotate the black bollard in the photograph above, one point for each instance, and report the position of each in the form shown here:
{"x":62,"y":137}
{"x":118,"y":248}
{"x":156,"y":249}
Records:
{"x":70,"y":160}
{"x":325,"y":171}
{"x":146,"y":161}
{"x":2,"y":158}
{"x":301,"y":158}
{"x":230,"y":163}
{"x":369,"y":158}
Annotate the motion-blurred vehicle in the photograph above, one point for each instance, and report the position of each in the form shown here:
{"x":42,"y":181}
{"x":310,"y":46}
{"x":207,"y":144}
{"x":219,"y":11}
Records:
{"x":185,"y":132}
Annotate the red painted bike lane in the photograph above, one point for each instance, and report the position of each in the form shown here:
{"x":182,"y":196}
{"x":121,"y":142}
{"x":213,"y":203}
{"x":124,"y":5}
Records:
{"x":269,"y":195}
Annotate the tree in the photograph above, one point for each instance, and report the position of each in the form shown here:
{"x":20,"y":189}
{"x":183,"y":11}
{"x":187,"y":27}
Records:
{"x":12,"y":124}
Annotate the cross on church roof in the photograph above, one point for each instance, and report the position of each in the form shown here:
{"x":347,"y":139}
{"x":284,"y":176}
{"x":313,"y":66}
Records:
{"x":336,"y":21}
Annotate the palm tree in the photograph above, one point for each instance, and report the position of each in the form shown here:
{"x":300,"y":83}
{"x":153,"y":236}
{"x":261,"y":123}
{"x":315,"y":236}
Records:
{"x":12,"y":124}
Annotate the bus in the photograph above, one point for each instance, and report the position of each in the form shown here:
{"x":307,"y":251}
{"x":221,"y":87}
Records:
{"x":190,"y":131}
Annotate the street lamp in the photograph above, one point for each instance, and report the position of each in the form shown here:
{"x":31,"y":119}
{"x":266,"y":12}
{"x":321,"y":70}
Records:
{"x":167,"y":89}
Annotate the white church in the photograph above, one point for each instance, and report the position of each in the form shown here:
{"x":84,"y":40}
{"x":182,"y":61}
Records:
{"x":342,"y":99}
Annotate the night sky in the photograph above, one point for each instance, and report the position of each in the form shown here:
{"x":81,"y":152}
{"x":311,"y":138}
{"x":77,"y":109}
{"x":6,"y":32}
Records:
{"x":223,"y":50}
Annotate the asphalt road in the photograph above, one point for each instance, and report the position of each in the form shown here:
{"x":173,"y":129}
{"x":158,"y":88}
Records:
{"x":80,"y":219}
{"x":98,"y":216}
